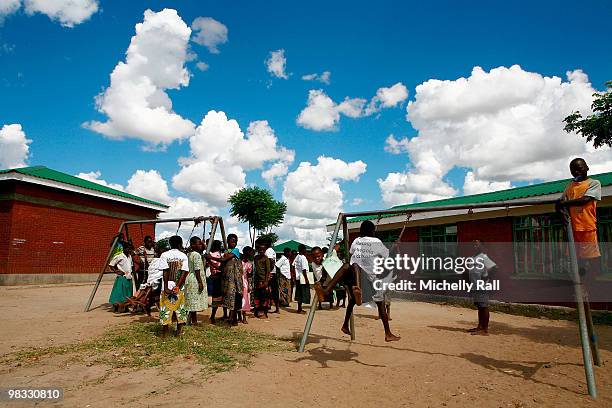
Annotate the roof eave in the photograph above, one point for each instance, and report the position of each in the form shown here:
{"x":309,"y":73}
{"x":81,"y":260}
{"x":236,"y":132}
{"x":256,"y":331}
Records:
{"x":14,"y":175}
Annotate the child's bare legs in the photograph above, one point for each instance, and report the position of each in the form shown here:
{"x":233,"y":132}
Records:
{"x":483,"y":321}
{"x":193,"y":318}
{"x":382,"y":313}
{"x":179,"y":328}
{"x":212,"y":314}
{"x":164,"y":332}
{"x":233,"y":319}
{"x":347,"y":317}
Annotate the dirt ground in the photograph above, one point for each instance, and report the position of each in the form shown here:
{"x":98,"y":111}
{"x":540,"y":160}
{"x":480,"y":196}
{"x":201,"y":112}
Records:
{"x":526,"y":362}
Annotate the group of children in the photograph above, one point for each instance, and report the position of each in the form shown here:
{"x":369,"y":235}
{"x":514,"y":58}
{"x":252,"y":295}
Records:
{"x":255,"y":280}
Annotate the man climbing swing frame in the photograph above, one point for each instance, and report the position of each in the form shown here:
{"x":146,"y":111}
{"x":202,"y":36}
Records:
{"x":215,"y":221}
{"x":587,"y":335}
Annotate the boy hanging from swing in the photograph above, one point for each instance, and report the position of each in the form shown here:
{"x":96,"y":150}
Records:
{"x":364,"y":250}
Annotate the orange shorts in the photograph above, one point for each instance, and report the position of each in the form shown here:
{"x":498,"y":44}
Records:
{"x":586,"y":244}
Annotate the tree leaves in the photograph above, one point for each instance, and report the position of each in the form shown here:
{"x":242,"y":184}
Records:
{"x":257,"y":207}
{"x":597,"y":128}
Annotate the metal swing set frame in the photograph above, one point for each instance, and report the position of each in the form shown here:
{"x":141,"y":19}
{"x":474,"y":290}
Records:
{"x":215,"y":221}
{"x":588,"y":338}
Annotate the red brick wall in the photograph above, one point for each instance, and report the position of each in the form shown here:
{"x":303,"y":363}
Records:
{"x":54,"y":240}
{"x":5,"y":229}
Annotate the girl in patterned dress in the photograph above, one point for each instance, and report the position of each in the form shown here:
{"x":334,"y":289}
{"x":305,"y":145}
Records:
{"x":247,"y":281}
{"x":196,"y":295}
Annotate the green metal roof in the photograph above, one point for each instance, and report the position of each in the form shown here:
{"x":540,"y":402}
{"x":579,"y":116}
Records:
{"x":293,"y":245}
{"x":54,"y":175}
{"x":516,"y":193}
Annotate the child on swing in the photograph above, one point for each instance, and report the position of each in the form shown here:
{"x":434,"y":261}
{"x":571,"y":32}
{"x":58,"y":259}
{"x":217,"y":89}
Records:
{"x":364,"y":250}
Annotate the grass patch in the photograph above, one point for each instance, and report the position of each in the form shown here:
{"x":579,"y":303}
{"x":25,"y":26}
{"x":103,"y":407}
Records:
{"x":139,"y":345}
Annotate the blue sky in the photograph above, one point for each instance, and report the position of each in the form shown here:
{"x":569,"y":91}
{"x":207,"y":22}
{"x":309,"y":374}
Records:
{"x":50,"y":74}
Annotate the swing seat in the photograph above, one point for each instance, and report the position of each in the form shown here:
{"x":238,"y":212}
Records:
{"x":145,"y":298}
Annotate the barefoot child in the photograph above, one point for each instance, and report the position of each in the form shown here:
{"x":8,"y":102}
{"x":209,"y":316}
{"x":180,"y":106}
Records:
{"x":274,"y":278}
{"x":216,"y":279}
{"x":247,"y":281}
{"x":302,"y":286}
{"x":284,"y":277}
{"x":175,"y":265}
{"x":196,"y":295}
{"x":262,"y":266}
{"x":364,"y":250}
{"x":232,"y":279}
{"x":121,"y":265}
{"x":483,"y":268}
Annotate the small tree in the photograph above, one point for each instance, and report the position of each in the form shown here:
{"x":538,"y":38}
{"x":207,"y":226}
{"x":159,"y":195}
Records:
{"x":257,"y":207}
{"x":597,"y":128}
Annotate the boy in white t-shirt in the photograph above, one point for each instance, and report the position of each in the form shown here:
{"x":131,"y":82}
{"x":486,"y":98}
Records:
{"x":302,"y":290}
{"x":175,"y":265}
{"x":364,"y":250}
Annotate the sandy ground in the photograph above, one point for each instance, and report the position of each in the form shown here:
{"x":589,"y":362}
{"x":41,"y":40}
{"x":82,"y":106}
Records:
{"x":526,"y":362}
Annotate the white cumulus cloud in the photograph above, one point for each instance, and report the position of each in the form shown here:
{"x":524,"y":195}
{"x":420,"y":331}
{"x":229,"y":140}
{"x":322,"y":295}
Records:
{"x":504,"y":126}
{"x":314,"y":197}
{"x":14,"y":147}
{"x":94,"y":177}
{"x":277,"y":64}
{"x":209,"y":33}
{"x":221,"y":154}
{"x":67,"y":12}
{"x":323,"y":114}
{"x":149,"y":184}
{"x":136,"y":103}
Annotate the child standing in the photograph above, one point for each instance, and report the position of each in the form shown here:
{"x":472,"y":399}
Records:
{"x":302,"y":290}
{"x":481,"y":271}
{"x":247,"y":281}
{"x":216,"y":279}
{"x":232,"y":279}
{"x":121,"y":264}
{"x":175,"y":265}
{"x":196,"y":295}
{"x":262,"y":267}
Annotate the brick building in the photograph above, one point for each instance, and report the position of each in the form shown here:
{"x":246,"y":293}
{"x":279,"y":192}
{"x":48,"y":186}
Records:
{"x":55,"y":227}
{"x":527,"y":242}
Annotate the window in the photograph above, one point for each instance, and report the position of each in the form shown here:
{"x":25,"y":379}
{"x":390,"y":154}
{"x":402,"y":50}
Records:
{"x":604,"y":232}
{"x":540,"y":246}
{"x":438,"y":241}
{"x":389,"y":236}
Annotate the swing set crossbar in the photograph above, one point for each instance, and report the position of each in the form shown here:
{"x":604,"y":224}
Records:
{"x":214,"y":220}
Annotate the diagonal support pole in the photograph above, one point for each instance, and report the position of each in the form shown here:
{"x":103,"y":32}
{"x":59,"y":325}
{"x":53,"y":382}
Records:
{"x":315,"y":300}
{"x":582,"y":324}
